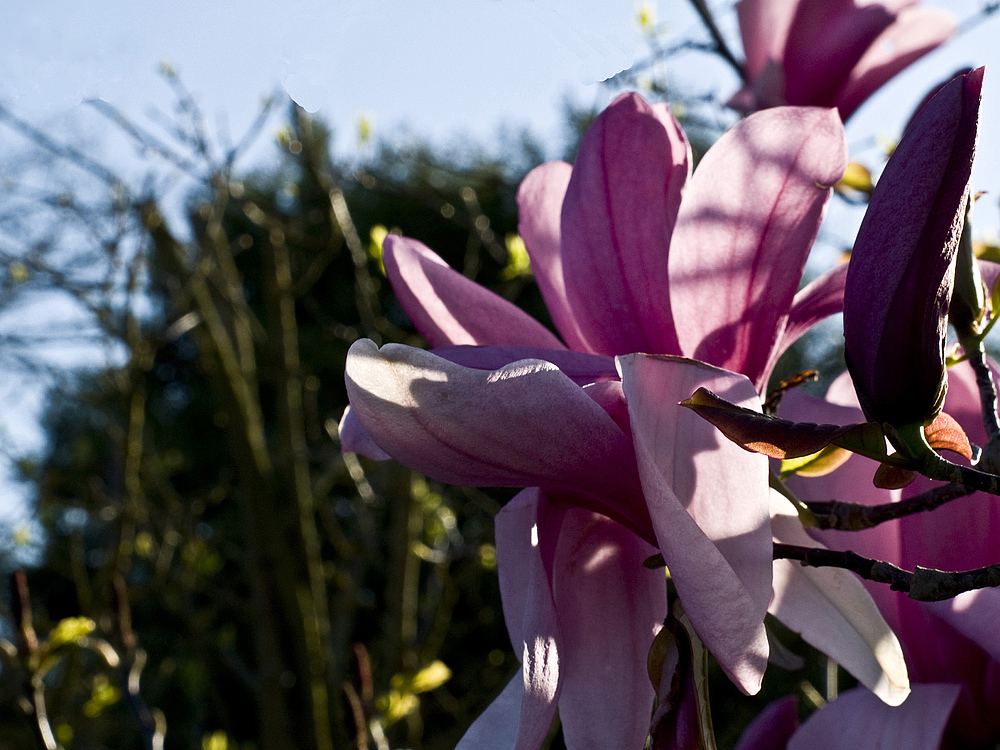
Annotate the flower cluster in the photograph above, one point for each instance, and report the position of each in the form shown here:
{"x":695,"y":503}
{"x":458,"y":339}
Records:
{"x":662,"y":283}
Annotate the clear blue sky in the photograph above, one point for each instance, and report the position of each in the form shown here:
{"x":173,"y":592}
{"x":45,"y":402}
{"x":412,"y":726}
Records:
{"x":437,"y":67}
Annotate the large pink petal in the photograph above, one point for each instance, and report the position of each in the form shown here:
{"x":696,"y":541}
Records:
{"x":749,"y":217}
{"x":579,"y":367}
{"x":524,"y":425}
{"x":832,"y":611}
{"x":617,"y":219}
{"x":497,"y":727}
{"x":913,"y":34}
{"x":708,"y":499}
{"x":764,"y":28}
{"x":825,"y":42}
{"x":448,"y":308}
{"x":539,"y":204}
{"x":609,"y":607}
{"x":818,"y":300}
{"x":531,"y":620}
{"x":772,"y":728}
{"x":858,"y":719}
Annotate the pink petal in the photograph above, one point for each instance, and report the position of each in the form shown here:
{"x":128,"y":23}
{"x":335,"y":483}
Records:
{"x":579,"y":367}
{"x":617,"y":219}
{"x":764,"y":27}
{"x":975,"y":615}
{"x":853,"y":482}
{"x":858,"y":719}
{"x":609,"y":608}
{"x":746,"y":225}
{"x":772,"y":728}
{"x":832,"y":611}
{"x":825,"y":42}
{"x":912,"y":35}
{"x":497,"y":727}
{"x":708,"y":499}
{"x":539,"y":203}
{"x":531,"y":618}
{"x":448,"y":308}
{"x":354,"y":438}
{"x":610,"y":396}
{"x":818,"y":300}
{"x":991,"y":272}
{"x":524,"y":425}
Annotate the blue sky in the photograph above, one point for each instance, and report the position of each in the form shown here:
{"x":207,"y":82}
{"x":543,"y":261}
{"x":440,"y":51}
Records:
{"x":434,"y":67}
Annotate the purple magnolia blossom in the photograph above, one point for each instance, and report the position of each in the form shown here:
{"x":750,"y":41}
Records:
{"x":830,"y":52}
{"x":900,"y":278}
{"x":625,"y":265}
{"x":951,"y":647}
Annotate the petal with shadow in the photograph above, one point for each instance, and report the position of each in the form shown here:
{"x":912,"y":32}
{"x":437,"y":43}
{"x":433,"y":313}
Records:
{"x":914,"y":33}
{"x":832,"y":611}
{"x":524,"y":425}
{"x":609,"y":608}
{"x":448,"y":308}
{"x":858,"y":719}
{"x":619,"y":212}
{"x":749,"y":217}
{"x":529,"y":612}
{"x":708,"y":499}
{"x":539,"y":203}
{"x":354,"y":438}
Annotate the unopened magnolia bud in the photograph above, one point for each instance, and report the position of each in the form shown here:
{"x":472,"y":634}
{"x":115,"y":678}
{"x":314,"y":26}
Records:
{"x":900,"y":280}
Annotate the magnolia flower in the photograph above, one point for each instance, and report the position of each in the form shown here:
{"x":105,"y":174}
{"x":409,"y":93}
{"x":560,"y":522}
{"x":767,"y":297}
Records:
{"x":830,"y":52}
{"x":625,"y":265}
{"x":951,"y":646}
{"x":900,"y":278}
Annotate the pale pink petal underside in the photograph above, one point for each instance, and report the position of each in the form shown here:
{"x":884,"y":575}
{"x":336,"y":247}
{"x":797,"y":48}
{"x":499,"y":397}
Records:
{"x":354,"y":438}
{"x":531,"y":618}
{"x":497,"y":726}
{"x":749,"y":217}
{"x":524,"y":425}
{"x":539,"y":204}
{"x":708,"y":499}
{"x":448,"y":308}
{"x":858,"y":719}
{"x":832,"y":611}
{"x":609,"y":607}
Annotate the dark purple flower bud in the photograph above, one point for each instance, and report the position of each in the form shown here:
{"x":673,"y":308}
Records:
{"x":900,"y":279}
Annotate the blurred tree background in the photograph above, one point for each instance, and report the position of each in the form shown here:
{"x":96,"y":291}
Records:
{"x":214,"y":573}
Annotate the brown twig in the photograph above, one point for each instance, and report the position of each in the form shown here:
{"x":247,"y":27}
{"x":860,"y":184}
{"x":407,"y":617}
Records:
{"x":720,"y":43}
{"x":923,"y":584}
{"x":845,"y":516}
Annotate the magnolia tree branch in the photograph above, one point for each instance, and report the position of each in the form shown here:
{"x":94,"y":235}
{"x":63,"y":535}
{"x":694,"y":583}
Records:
{"x":845,"y":516}
{"x":923,"y":584}
{"x":987,"y":392}
{"x":720,"y":43}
